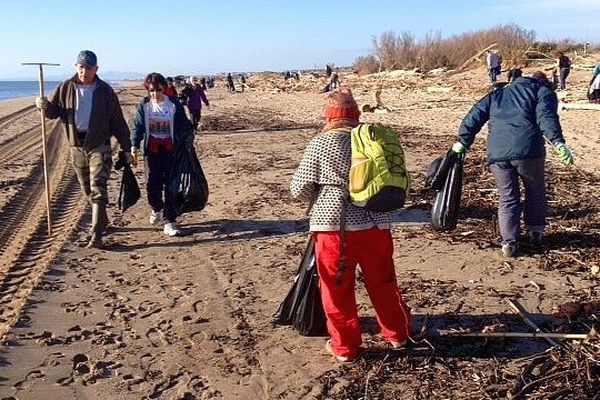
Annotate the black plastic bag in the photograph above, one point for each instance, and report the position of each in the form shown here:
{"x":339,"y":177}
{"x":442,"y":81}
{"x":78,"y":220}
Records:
{"x":129,"y":193}
{"x":446,"y":205}
{"x":187,"y":187}
{"x":438,"y":171}
{"x":302,"y":307}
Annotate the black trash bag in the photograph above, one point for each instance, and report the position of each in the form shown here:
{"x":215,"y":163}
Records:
{"x":129,"y":193}
{"x":302,"y":307}
{"x":187,"y":187}
{"x":446,"y":205}
{"x":438,"y":171}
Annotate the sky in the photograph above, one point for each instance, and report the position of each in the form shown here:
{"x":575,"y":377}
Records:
{"x":199,"y":37}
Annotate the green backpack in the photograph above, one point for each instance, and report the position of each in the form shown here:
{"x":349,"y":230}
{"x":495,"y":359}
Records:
{"x":379,"y":180}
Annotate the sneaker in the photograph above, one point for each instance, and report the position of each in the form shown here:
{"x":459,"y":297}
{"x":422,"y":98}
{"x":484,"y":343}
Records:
{"x":536,"y":238}
{"x":342,"y":359}
{"x":170,"y":229}
{"x":156,"y":217}
{"x":509,"y":249}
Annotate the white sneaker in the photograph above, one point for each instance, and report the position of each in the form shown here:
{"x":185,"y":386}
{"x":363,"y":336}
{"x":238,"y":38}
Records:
{"x":156,"y":217}
{"x":509,"y":250}
{"x":170,"y":229}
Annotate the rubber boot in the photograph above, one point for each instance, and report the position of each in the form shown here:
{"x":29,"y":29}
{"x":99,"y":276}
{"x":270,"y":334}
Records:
{"x":105,"y":229}
{"x":98,"y":225}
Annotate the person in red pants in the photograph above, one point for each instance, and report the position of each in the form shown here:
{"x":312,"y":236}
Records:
{"x":322,"y":178}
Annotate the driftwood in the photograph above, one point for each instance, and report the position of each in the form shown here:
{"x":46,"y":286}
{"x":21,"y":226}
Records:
{"x":475,"y":57}
{"x":533,"y":54}
{"x":378,"y":107}
{"x":579,"y":106}
{"x":519,"y":309}
{"x":542,"y":335}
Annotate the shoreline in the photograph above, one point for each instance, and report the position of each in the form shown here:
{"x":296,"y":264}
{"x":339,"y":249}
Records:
{"x":8,"y":106}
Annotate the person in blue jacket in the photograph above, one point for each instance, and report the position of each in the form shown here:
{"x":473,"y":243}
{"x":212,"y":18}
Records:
{"x":160,"y":121}
{"x":520,"y":115}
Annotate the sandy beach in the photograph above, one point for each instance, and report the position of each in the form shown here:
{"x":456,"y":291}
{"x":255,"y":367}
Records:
{"x":190,"y":317}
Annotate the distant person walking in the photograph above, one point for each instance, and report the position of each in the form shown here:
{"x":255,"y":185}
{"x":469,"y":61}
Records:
{"x":243,"y":84}
{"x":322,"y":178}
{"x":90,"y":113}
{"x":170,"y":90}
{"x":335,"y":81}
{"x":563,"y":65}
{"x":160,"y":121}
{"x":494,"y":65}
{"x":230,"y":85}
{"x":521,"y":115}
{"x":193,"y":95}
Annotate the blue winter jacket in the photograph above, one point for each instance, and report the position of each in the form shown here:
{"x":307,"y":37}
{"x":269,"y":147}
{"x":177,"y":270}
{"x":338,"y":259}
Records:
{"x":519,"y":114}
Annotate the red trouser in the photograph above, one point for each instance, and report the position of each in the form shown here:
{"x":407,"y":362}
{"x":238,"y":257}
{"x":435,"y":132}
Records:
{"x":373,"y":250}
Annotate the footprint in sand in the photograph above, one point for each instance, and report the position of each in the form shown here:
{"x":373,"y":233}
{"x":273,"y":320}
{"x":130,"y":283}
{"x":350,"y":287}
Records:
{"x":30,"y":378}
{"x":52,"y":359}
{"x":148,"y":308}
{"x":161,"y":333}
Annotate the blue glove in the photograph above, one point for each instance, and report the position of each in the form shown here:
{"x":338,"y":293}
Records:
{"x":459,"y":148}
{"x":564,"y":153}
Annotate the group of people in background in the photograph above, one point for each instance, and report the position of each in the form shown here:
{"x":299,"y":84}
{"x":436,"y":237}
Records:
{"x":560,"y":71}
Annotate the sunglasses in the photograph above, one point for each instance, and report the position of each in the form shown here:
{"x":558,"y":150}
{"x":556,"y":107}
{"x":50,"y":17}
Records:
{"x":152,"y":90}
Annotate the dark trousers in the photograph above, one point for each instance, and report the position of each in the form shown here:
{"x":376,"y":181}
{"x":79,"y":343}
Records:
{"x":494,"y":72}
{"x":157,"y":170}
{"x":564,"y":72}
{"x":195,"y":114}
{"x":507,"y":175}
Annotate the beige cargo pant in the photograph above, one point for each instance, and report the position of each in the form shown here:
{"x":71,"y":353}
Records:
{"x":93,"y":170}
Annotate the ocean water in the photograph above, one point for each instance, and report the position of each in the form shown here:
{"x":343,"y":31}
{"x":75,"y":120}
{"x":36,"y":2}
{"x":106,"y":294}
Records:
{"x":15,"y":89}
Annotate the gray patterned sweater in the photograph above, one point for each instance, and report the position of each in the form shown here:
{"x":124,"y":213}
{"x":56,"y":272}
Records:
{"x":323,"y":175}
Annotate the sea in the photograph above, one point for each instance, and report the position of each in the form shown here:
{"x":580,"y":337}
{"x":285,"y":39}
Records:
{"x":15,"y":89}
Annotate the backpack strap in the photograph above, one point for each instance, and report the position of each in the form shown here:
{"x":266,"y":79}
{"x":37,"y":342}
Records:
{"x":342,"y":266}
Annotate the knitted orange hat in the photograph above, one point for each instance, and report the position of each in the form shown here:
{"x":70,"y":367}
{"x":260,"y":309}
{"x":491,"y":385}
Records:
{"x":341,"y":104}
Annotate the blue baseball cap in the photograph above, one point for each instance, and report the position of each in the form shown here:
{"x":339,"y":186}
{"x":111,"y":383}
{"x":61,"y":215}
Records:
{"x":87,"y":58}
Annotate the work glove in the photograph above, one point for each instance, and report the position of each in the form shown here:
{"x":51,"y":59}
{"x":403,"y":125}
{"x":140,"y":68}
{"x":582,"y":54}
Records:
{"x":459,"y":148}
{"x":564,"y":153}
{"x":41,"y":102}
{"x":135,"y":156}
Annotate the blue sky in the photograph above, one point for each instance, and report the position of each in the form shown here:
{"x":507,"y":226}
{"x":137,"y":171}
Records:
{"x":199,"y":37}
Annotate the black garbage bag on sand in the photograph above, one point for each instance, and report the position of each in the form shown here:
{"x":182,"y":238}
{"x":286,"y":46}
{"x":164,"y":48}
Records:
{"x":446,"y":179}
{"x":187,"y":187}
{"x":129,"y":193}
{"x":302,"y":307}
